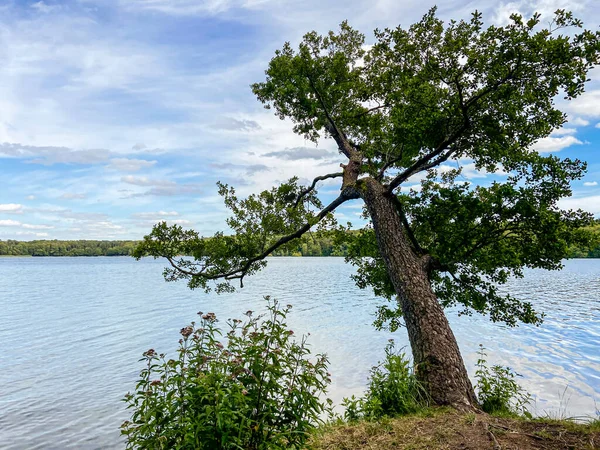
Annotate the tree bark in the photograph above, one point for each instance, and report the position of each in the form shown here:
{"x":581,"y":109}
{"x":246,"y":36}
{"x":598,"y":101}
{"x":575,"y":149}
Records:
{"x":437,"y":359}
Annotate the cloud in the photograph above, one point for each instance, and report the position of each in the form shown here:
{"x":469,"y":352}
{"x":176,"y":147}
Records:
{"x":11,"y":208}
{"x":150,"y":222}
{"x":159,"y":188}
{"x":188,"y":7}
{"x":53,"y":155}
{"x":152,"y":215}
{"x":36,"y":227}
{"x":231,"y":124}
{"x":144,"y":181}
{"x":590,"y":183}
{"x":9,"y":223}
{"x":30,"y":197}
{"x":297,"y":153}
{"x":64,"y":213}
{"x":15,"y":223}
{"x":129,"y":165}
{"x":171,"y":191}
{"x":579,"y":122}
{"x":250,"y":169}
{"x":138,"y":146}
{"x":180,"y":222}
{"x":555,"y":144}
{"x":587,"y":105}
{"x":72,"y":196}
{"x":590,"y":204}
{"x":44,"y":8}
{"x":31,"y":233}
{"x":255,"y":168}
{"x":598,"y":125}
{"x":564,"y":131}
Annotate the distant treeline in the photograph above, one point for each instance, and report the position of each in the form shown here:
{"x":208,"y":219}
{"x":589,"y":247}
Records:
{"x":308,"y":245}
{"x":66,"y":248}
{"x":593,"y":251}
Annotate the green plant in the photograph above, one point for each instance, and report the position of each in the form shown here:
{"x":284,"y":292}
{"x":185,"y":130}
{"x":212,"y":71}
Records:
{"x":497,"y":390}
{"x":393,"y":390}
{"x":256,"y":390}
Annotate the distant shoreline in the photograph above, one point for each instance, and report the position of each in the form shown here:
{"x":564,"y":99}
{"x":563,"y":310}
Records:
{"x":270,"y":256}
{"x":311,"y":246}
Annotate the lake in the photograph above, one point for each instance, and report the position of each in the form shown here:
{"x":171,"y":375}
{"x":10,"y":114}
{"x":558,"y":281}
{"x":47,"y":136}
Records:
{"x":72,"y":331}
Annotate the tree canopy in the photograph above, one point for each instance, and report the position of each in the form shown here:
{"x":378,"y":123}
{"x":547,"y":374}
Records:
{"x":399,"y":110}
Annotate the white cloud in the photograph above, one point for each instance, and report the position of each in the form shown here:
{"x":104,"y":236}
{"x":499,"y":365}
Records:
{"x":15,"y":223}
{"x":590,"y":204}
{"x":9,"y":223}
{"x":36,"y":227}
{"x":145,"y":181}
{"x":158,"y":187}
{"x":555,"y":144}
{"x":44,"y":8}
{"x":183,"y":222}
{"x":564,"y":131}
{"x":50,"y":155}
{"x":152,"y":215}
{"x":590,"y":183}
{"x":191,"y":7}
{"x":587,"y":105}
{"x":30,"y":197}
{"x":130,"y":165}
{"x":297,"y":153}
{"x":578,"y":122}
{"x":11,"y":208}
{"x":31,"y":233}
{"x":72,"y":196}
{"x":598,"y":125}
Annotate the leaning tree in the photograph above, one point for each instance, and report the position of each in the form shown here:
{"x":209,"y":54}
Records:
{"x":416,"y":107}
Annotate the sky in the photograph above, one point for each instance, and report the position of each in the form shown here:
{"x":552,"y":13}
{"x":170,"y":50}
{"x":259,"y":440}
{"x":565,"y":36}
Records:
{"x":117,"y":114}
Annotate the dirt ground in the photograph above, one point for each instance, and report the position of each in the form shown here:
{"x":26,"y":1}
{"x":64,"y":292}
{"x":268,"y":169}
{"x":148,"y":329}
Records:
{"x":451,"y":430}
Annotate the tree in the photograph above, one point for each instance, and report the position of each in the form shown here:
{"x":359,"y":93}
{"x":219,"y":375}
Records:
{"x":397,"y":111}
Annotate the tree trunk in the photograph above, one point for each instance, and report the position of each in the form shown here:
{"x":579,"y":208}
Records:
{"x":438,"y":363}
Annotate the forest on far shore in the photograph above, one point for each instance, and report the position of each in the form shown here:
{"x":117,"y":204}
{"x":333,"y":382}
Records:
{"x":308,"y":245}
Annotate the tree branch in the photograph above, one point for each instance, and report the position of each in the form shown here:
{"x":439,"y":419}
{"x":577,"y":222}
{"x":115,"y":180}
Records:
{"x":388,"y":163}
{"x":426,"y":162}
{"x":314,"y":183}
{"x":338,"y":136}
{"x":241,"y":271}
{"x":370,"y":110}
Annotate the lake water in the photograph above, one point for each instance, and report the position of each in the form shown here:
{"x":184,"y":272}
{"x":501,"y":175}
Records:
{"x":73,"y":329}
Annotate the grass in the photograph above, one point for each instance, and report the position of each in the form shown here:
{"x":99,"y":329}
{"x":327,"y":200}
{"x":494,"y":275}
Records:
{"x":442,"y":428}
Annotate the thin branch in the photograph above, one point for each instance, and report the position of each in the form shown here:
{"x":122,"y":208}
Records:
{"x":440,"y":160}
{"x":314,"y":183}
{"x":240,"y":272}
{"x":370,"y":110}
{"x":388,"y":163}
{"x":338,"y":136}
{"x":426,"y":161}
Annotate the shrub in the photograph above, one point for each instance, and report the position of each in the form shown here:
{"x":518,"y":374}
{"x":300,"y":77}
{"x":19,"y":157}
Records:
{"x":497,"y":390}
{"x":257,"y":390}
{"x":393,"y":390}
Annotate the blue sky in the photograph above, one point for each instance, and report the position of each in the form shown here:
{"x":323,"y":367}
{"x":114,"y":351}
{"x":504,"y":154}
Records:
{"x":115,"y":114}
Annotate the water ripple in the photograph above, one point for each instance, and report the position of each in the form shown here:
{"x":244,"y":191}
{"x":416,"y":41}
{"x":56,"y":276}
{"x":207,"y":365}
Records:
{"x":70,"y":342}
